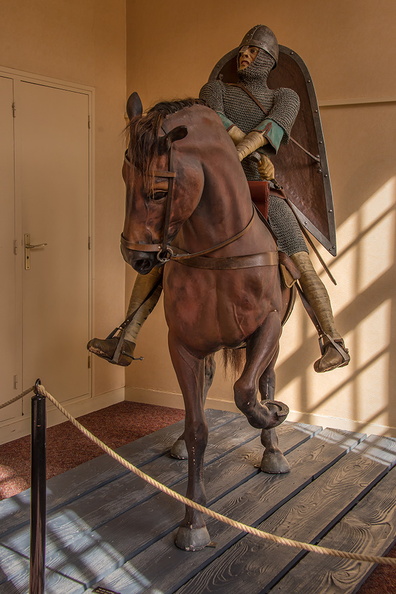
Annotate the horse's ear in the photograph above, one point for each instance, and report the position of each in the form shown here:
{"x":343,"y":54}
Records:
{"x":177,"y":133}
{"x":134,"y":106}
{"x":165,"y":142}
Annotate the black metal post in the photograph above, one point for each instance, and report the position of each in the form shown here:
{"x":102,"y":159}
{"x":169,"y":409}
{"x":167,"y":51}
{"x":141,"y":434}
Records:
{"x":38,"y":504}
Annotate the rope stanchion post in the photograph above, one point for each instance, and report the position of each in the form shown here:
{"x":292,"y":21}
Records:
{"x":38,"y":504}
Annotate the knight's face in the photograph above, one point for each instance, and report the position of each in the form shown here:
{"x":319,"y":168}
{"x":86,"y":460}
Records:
{"x":247,"y":55}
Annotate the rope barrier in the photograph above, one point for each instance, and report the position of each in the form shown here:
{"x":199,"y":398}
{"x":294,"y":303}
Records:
{"x":16,"y":398}
{"x":238,"y":525}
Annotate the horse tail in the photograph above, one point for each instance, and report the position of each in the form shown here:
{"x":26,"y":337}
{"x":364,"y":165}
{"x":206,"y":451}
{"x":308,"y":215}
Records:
{"x":233,"y":361}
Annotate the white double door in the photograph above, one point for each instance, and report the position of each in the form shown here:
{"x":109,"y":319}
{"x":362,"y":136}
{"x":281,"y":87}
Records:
{"x":44,"y":194}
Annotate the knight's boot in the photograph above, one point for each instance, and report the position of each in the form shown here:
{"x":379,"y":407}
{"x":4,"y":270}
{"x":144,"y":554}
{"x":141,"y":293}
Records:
{"x":140,"y":306}
{"x":106,"y":349}
{"x":332,"y":346}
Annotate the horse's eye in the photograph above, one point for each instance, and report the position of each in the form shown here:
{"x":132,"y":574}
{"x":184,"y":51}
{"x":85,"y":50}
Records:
{"x":157,"y":195}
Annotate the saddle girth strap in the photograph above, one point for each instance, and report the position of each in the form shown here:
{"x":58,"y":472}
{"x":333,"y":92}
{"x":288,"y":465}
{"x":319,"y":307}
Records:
{"x":232,"y":262}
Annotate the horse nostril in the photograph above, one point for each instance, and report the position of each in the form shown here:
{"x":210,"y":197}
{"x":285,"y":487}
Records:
{"x":143,"y":265}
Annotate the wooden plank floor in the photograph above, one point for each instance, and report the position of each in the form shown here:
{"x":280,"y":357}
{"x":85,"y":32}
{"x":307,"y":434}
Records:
{"x":107,"y":530}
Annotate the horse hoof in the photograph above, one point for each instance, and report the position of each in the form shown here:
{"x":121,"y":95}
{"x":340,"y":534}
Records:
{"x":274,"y":463}
{"x":279,"y":409}
{"x":179,"y":450}
{"x":192,"y":539}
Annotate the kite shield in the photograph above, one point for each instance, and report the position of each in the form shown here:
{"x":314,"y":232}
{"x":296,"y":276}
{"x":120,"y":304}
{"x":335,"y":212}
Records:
{"x":301,"y":165}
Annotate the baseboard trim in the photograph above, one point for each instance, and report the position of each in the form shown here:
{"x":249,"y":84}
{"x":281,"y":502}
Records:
{"x":155,"y":397}
{"x":22,"y":426}
{"x":175,"y":400}
{"x":341,"y":423}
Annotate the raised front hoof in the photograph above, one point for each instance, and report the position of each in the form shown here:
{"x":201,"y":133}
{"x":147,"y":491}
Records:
{"x":192,"y":539}
{"x":280,"y":410}
{"x":274,"y":463}
{"x":179,"y":450}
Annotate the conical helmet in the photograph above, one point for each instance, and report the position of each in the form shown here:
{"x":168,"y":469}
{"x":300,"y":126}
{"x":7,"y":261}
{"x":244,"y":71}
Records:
{"x":262,"y":37}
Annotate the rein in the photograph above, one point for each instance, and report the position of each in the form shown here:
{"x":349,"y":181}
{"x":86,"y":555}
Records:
{"x":167,"y":252}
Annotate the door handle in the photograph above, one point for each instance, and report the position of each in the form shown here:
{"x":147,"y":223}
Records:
{"x":28,"y":247}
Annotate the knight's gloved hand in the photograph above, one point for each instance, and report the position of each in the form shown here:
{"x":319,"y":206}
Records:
{"x":266,"y":168}
{"x":236,"y":134}
{"x":250,"y":143}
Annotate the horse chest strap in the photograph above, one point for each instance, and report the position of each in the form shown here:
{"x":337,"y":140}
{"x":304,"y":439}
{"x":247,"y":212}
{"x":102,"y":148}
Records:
{"x":231,"y":262}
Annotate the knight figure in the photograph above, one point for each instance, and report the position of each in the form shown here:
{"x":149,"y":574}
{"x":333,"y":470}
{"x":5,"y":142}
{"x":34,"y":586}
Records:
{"x":259,"y":121}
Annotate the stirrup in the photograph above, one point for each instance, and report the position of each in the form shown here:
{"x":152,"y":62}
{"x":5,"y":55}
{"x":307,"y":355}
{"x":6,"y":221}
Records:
{"x":114,"y":350}
{"x":119,"y":351}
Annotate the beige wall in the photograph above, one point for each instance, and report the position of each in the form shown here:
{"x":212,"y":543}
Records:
{"x":84,"y":42}
{"x":349,"y":47}
{"x":168,"y":51}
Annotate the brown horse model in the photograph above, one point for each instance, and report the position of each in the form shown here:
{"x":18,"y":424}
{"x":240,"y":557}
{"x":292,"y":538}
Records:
{"x":188,"y":205}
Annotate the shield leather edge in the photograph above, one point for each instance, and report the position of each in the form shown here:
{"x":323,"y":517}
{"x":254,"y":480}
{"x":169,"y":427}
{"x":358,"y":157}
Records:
{"x":304,"y":175}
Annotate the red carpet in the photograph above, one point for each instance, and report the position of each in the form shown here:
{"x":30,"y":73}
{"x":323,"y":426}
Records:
{"x":67,"y":447}
{"x":116,"y":425}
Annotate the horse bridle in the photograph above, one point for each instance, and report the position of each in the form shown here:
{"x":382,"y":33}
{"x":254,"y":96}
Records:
{"x":166,"y":252}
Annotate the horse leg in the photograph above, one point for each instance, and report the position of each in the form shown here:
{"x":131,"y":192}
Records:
{"x":273,"y":460}
{"x":179,"y":450}
{"x":261,"y":349}
{"x":192,"y":534}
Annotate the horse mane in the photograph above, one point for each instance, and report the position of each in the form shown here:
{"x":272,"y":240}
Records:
{"x":144,"y":130}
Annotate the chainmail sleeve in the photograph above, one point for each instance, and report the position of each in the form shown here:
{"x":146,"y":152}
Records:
{"x":213,"y":93}
{"x":285,"y":110}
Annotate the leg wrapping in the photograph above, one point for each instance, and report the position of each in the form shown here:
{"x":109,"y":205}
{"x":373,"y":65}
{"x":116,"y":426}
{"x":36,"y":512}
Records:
{"x":142,"y":287}
{"x":316,"y":294}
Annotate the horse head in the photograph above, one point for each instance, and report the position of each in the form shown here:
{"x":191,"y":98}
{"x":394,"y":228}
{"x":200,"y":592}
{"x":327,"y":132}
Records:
{"x":163,"y":177}
{"x":178,"y":153}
